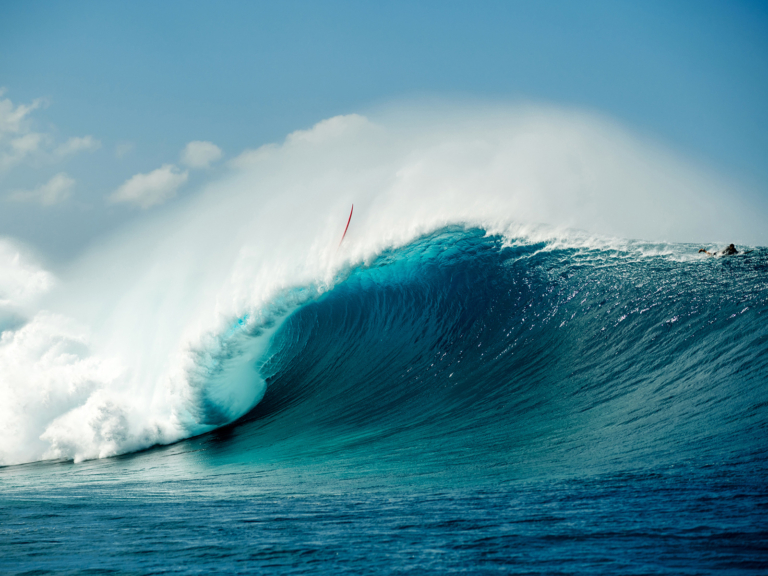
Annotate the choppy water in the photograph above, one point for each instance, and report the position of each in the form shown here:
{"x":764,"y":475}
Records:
{"x":465,"y":403}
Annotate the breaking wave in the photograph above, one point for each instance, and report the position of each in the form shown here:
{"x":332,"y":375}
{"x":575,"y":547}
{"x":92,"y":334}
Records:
{"x":465,"y":307}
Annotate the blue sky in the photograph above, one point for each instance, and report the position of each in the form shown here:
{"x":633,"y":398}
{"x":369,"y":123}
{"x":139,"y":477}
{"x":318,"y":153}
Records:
{"x":143,"y":79}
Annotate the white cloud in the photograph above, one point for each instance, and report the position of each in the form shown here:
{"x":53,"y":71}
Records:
{"x":147,"y":190}
{"x":27,"y":144}
{"x":123,"y":148}
{"x":55,"y":191}
{"x":17,"y":149}
{"x":198,"y":154}
{"x":77,"y":144}
{"x":12,"y":117}
{"x":19,"y":142}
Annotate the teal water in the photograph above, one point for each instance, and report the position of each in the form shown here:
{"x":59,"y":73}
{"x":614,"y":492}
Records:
{"x":461,"y":404}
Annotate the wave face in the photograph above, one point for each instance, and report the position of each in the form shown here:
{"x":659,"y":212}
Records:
{"x":542,"y":330}
{"x":467,"y":350}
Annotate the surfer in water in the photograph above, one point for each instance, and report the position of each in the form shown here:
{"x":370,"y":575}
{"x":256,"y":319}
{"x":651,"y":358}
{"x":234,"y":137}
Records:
{"x":729,"y":251}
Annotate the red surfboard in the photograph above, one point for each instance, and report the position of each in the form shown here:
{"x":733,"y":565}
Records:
{"x":347,"y":228}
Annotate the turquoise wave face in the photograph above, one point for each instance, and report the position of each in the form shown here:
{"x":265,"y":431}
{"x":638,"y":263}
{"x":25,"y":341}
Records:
{"x":462,"y":355}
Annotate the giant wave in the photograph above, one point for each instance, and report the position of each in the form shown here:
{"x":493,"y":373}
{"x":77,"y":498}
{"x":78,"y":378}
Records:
{"x":462,"y":317}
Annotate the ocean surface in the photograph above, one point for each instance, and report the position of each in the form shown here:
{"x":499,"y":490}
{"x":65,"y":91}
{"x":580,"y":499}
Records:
{"x":469,"y":403}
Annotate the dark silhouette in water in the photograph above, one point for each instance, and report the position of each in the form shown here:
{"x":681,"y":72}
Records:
{"x":730,"y":250}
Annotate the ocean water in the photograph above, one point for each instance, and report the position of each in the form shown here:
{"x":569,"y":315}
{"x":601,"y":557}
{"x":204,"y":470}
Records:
{"x":467,"y":401}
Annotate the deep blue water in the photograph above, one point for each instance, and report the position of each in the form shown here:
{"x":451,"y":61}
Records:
{"x":459,"y":405}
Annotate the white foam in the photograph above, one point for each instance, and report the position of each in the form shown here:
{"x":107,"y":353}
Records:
{"x":149,"y":338}
{"x":22,"y":282}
